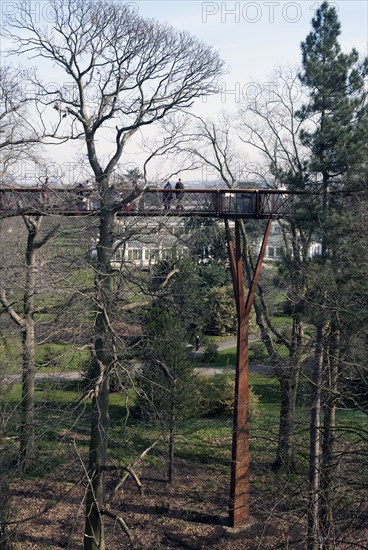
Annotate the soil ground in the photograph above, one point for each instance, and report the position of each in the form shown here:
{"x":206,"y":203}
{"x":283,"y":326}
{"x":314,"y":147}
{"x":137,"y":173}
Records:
{"x":192,"y":513}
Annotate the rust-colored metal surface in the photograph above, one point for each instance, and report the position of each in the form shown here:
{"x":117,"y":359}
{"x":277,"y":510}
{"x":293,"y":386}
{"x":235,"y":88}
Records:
{"x":233,"y":267}
{"x":239,"y":511}
{"x":257,"y":271}
{"x":239,"y":483}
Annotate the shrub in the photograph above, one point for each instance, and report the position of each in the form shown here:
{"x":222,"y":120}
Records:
{"x":210,"y":354}
{"x":221,"y":315}
{"x":216,"y":395}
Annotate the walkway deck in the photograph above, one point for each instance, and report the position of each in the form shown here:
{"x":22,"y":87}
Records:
{"x":221,"y":203}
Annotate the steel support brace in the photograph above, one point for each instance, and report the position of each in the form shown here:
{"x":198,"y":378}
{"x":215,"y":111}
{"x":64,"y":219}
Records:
{"x":239,"y":513}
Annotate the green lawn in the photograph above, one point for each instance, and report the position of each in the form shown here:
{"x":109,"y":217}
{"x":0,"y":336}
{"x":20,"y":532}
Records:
{"x":50,"y":357}
{"x":205,"y":440}
{"x":227,"y":358}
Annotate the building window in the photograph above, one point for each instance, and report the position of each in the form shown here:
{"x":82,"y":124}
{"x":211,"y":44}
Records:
{"x":134,"y":254}
{"x":271,"y":252}
{"x":279,"y":252}
{"x":119,"y":254}
{"x":151,"y":254}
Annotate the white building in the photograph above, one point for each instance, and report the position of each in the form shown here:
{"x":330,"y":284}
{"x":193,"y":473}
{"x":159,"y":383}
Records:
{"x":279,"y":241}
{"x":146,"y":242}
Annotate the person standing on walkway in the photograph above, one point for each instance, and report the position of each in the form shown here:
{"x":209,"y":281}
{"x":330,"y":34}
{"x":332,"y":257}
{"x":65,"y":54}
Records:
{"x":167,"y":195}
{"x":179,"y":195}
{"x":45,"y":192}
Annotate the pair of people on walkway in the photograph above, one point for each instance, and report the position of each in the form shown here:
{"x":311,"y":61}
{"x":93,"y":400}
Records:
{"x":168,"y":195}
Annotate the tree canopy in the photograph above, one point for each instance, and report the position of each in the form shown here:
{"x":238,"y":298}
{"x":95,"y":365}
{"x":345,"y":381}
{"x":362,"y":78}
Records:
{"x":123,"y":71}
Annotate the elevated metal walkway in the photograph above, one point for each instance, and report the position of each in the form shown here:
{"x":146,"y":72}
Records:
{"x":213,"y":203}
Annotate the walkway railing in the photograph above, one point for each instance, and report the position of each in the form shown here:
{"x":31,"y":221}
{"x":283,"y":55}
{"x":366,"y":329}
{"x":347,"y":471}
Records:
{"x":224,"y":203}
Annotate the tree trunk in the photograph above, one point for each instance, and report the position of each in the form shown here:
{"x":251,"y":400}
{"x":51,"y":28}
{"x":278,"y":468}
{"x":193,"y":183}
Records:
{"x":27,"y":438}
{"x":170,"y":466}
{"x":285,"y":450}
{"x":94,"y":535}
{"x":288,"y":377}
{"x":172,"y":430}
{"x":329,"y":443}
{"x":314,"y":531}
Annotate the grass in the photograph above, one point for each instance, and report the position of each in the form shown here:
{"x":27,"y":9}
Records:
{"x":203,"y":446}
{"x":82,"y":277}
{"x":266,"y":387}
{"x":207,"y":442}
{"x":50,"y":357}
{"x":280,"y":322}
{"x":204,"y":440}
{"x":57,"y":410}
{"x":227,"y":358}
{"x":352,"y":416}
{"x":220,"y":339}
{"x":62,"y":357}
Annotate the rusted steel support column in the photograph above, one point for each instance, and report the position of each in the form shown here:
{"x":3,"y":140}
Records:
{"x":239,"y":514}
{"x":231,"y":251}
{"x":239,"y":484}
{"x":257,"y":271}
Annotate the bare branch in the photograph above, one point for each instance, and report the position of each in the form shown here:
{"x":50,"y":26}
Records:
{"x":18,"y":320}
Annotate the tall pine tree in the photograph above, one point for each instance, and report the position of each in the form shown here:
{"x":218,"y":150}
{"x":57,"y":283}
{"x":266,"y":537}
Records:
{"x":337,"y":104}
{"x":336,"y":134}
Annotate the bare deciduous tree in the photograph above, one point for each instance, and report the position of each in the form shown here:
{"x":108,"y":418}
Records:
{"x":16,"y":133}
{"x":124,"y":73}
{"x":25,"y":321}
{"x":213,"y":145}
